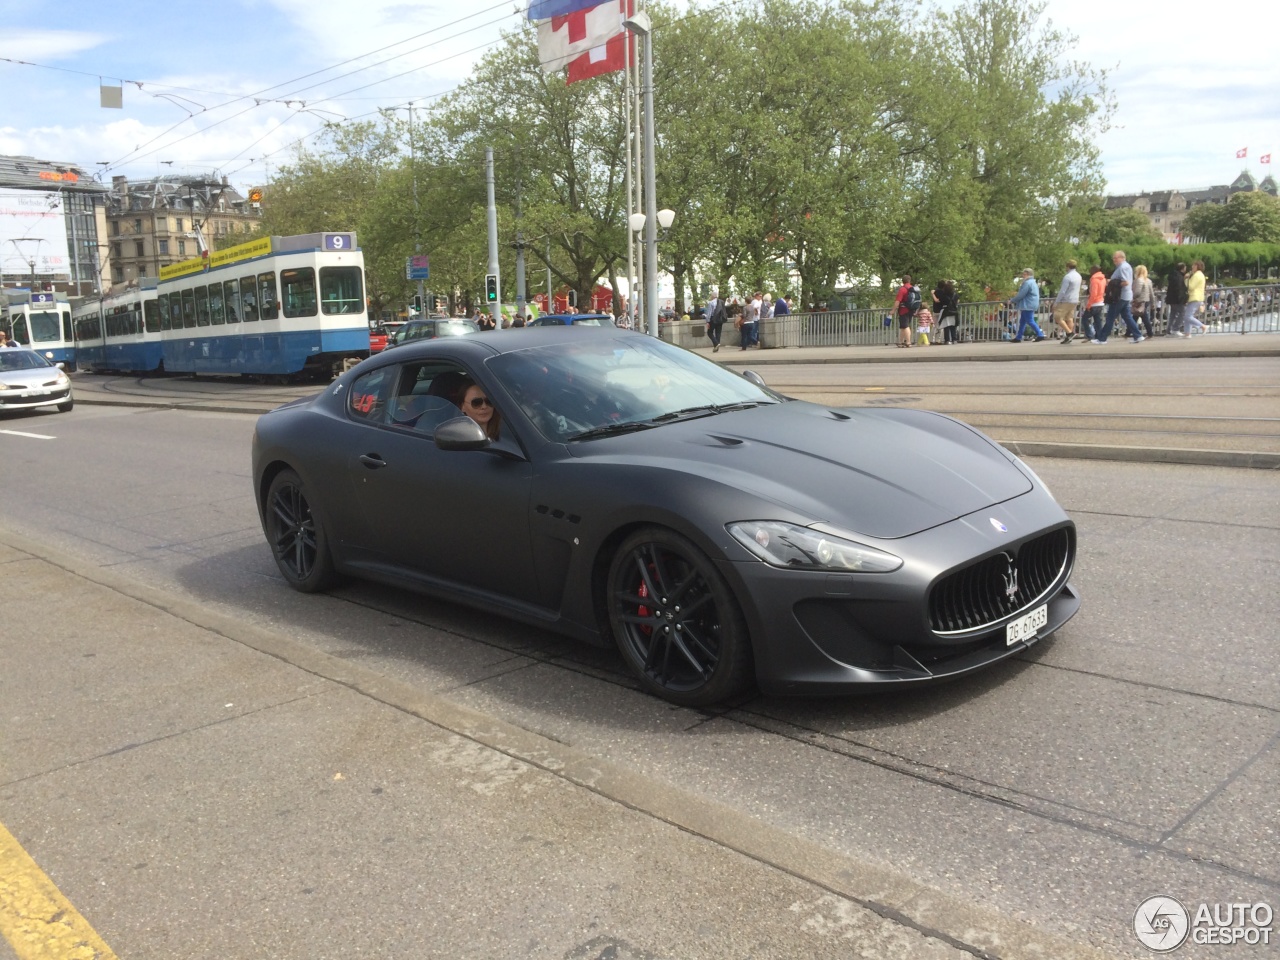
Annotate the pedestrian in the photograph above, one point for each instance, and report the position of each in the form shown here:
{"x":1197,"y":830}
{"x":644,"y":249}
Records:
{"x":1143,"y":298}
{"x":1066,"y":302}
{"x":782,"y":307}
{"x":1119,"y":298}
{"x":907,"y":301}
{"x":4,"y":340}
{"x":761,"y":315}
{"x":1176,"y":297}
{"x":924,"y":320}
{"x":750,"y":321}
{"x":947,"y":306}
{"x":1195,"y":299}
{"x":1027,"y":301}
{"x":715,"y":315}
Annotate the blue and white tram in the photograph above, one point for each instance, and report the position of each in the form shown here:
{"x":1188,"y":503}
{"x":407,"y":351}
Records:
{"x":120,"y":331}
{"x":41,"y":321}
{"x":275,"y":305}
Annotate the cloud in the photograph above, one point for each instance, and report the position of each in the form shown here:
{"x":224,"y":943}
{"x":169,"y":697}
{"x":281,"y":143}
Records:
{"x":38,"y":45}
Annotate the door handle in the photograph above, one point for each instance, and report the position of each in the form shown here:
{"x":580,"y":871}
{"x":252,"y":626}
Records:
{"x":372,"y":461}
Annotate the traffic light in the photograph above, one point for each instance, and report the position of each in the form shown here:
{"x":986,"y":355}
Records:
{"x":417,"y":304}
{"x":573,"y":298}
{"x":491,"y":288}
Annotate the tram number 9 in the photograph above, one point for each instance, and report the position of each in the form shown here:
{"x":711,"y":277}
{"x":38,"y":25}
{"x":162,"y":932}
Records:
{"x":337,"y":241}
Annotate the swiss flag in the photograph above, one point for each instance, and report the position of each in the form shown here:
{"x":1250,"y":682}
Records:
{"x":1265,"y":158}
{"x":562,"y":39}
{"x":607,"y":59}
{"x":1242,"y":153}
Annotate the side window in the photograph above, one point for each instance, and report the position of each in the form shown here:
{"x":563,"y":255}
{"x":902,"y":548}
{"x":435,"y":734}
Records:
{"x":268,"y":302}
{"x":298,"y":291}
{"x":231,"y":294}
{"x":215,"y":303}
{"x":367,"y":398}
{"x":249,"y":298}
{"x":66,"y":326}
{"x":188,"y":308}
{"x":151,"y":316}
{"x":202,"y":306}
{"x":427,"y":395}
{"x":163,"y":300}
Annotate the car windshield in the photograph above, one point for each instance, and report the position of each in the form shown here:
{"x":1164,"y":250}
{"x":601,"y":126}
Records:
{"x":601,"y":385}
{"x":21,"y":360}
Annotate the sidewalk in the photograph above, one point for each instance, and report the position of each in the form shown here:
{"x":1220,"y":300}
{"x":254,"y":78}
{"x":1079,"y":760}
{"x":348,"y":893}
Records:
{"x":1117,"y":348}
{"x":199,"y":788}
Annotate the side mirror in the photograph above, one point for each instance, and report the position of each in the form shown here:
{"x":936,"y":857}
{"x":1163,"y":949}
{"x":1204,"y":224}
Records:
{"x":60,"y":365}
{"x":461,"y":433}
{"x":755,"y":378}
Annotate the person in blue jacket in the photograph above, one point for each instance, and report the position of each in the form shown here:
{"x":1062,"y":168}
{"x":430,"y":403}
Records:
{"x":1027,"y":301}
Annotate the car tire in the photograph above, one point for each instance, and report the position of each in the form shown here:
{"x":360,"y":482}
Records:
{"x":66,"y":407}
{"x":689,"y":644}
{"x":297,"y":535}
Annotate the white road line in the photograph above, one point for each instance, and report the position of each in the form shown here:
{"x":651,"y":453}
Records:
{"x":33,"y":436}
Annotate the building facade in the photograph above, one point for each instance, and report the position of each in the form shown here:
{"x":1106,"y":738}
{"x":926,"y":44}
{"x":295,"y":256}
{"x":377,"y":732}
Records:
{"x":52,"y":224}
{"x":1166,"y":209}
{"x":153,"y":223}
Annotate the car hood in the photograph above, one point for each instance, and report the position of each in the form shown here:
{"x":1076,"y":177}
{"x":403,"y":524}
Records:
{"x":881,"y":473}
{"x":30,"y":377}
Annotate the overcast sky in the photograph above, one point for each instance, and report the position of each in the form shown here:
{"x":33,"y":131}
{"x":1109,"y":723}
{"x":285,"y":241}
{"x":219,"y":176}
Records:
{"x":225,"y":87}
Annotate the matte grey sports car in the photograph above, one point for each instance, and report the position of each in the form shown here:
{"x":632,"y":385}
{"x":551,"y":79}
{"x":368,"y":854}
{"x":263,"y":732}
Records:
{"x":625,"y":491}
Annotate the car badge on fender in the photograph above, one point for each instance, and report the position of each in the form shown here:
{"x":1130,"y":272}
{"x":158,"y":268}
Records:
{"x":998,"y":525}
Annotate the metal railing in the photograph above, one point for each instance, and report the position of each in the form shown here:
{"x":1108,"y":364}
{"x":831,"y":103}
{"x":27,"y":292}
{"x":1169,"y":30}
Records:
{"x":1252,"y":309}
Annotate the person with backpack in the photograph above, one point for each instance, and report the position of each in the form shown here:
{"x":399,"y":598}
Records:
{"x":908,"y":302}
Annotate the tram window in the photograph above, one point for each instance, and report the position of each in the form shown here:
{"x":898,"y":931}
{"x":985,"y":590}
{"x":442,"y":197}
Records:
{"x":135,"y":319}
{"x":188,"y":308}
{"x":267,"y":299}
{"x":20,"y":331}
{"x":215,"y":303}
{"x":231,"y":296}
{"x":249,"y":298}
{"x":340,"y":290}
{"x":299,"y":290}
{"x":202,"y":306}
{"x":175,"y":311}
{"x":163,"y":301}
{"x":151,"y":316}
{"x":66,"y":325}
{"x":44,"y":327}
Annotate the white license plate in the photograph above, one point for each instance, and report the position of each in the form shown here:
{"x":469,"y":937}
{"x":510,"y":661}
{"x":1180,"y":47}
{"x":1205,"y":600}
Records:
{"x":1026,"y":626}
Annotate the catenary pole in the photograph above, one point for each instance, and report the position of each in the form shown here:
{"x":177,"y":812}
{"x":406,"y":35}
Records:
{"x":495,"y":308}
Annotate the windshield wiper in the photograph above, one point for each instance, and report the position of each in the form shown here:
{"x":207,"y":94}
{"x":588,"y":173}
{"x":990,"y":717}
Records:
{"x":613,"y":429}
{"x":706,"y":408}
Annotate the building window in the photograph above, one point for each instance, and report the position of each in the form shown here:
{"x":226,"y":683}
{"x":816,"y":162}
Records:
{"x":115,"y":228}
{"x":182,"y":248}
{"x":164,"y":246}
{"x":117,"y":274}
{"x":141,"y":251}
{"x":137,"y":226}
{"x":115,"y":250}
{"x":179,"y":227}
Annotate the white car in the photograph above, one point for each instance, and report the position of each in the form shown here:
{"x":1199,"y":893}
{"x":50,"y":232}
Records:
{"x":28,"y":382}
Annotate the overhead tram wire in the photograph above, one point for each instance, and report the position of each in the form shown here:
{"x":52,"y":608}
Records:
{"x":689,"y":16}
{"x":258,"y":101}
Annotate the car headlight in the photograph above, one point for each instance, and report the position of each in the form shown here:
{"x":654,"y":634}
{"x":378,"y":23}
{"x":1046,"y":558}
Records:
{"x":62,"y":378}
{"x":794,"y":547}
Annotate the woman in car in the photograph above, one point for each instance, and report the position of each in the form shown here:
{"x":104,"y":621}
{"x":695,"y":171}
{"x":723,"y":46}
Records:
{"x":475,"y":403}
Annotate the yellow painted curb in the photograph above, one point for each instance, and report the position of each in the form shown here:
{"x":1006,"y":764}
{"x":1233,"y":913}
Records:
{"x":37,"y":920}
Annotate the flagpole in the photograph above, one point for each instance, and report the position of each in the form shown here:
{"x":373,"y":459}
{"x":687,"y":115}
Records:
{"x":626,"y":122}
{"x":637,"y":132}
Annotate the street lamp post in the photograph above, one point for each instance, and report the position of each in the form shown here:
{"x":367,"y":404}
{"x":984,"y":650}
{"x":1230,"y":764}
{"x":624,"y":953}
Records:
{"x":643,"y":27}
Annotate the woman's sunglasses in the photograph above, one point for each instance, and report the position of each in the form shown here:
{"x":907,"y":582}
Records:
{"x":478,"y":402}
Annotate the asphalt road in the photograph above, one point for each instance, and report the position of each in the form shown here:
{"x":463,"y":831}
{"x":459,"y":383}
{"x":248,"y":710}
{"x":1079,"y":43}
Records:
{"x":1138,"y":753}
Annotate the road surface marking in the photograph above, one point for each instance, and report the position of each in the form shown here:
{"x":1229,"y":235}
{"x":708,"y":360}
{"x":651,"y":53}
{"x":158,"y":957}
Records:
{"x":37,"y":920}
{"x":33,"y":436}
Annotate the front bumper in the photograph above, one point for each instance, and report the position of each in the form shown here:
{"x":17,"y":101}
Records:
{"x":816,"y":633}
{"x":34,"y":398}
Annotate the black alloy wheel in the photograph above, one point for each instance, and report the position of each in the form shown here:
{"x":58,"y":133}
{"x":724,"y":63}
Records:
{"x":297,"y":537}
{"x":675,"y":620}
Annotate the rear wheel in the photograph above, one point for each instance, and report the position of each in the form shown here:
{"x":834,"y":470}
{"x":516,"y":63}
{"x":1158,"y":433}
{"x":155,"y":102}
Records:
{"x":297,"y":536}
{"x":676,"y":621}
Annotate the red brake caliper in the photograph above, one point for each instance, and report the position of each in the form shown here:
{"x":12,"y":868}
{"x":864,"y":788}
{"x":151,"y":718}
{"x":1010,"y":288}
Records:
{"x":643,"y":591}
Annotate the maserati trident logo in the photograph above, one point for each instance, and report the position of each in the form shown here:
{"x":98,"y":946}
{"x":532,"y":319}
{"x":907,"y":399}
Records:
{"x":998,"y":525}
{"x":1010,"y":580}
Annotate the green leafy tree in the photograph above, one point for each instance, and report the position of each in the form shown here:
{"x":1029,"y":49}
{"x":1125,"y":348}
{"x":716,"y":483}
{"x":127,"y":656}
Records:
{"x":1245,"y":218}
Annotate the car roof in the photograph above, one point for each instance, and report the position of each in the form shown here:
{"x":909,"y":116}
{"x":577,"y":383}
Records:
{"x":497,"y":341}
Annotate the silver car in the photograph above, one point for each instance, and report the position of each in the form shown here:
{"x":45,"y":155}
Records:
{"x":28,"y":382}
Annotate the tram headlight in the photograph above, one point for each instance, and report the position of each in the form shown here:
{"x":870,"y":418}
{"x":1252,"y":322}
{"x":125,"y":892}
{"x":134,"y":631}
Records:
{"x":48,"y":354}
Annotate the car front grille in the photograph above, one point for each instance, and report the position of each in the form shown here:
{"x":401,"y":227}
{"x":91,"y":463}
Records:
{"x":8,"y":398}
{"x":984,"y":593}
